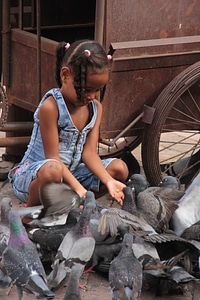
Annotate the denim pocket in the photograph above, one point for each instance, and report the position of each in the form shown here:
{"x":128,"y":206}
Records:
{"x":65,"y":140}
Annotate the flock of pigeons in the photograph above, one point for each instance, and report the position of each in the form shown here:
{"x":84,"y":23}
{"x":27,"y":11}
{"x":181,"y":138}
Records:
{"x":152,"y":241}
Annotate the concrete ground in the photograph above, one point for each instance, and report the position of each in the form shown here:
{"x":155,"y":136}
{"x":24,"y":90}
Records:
{"x":97,"y":286}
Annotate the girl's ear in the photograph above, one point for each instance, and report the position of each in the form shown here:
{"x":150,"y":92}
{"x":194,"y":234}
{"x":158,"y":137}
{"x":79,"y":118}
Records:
{"x":65,"y":73}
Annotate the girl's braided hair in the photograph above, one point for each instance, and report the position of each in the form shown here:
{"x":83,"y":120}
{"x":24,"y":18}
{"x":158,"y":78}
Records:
{"x":79,"y":57}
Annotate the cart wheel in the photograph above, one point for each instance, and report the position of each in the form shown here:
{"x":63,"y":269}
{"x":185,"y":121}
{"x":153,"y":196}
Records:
{"x":171,"y":144}
{"x":116,"y":150}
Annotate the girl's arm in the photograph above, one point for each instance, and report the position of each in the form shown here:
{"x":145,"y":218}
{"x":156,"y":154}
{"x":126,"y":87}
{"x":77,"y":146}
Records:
{"x":48,"y":115}
{"x":94,"y":163}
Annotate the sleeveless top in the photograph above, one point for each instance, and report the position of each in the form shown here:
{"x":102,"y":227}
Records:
{"x":71,"y":140}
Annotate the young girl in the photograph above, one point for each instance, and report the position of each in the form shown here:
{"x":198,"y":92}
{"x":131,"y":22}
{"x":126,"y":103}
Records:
{"x":63,"y":145}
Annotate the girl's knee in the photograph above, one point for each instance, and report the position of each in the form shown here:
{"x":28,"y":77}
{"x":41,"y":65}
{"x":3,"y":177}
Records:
{"x":118,"y":169}
{"x":51,"y":171}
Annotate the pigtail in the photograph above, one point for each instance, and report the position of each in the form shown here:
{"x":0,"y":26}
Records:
{"x":60,"y":53}
{"x":80,"y":77}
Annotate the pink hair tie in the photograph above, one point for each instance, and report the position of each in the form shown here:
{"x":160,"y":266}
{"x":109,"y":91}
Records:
{"x":67,"y":46}
{"x":87,"y":52}
{"x":109,"y":57}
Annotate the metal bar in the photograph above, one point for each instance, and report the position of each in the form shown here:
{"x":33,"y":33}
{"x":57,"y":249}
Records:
{"x":17,"y":126}
{"x":20,"y":15}
{"x":14,"y":141}
{"x":6,"y":28}
{"x":38,"y":49}
{"x":99,"y":20}
{"x":32,"y":13}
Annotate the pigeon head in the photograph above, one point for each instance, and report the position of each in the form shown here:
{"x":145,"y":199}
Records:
{"x":129,"y":203}
{"x":138,"y":182}
{"x":170,"y":182}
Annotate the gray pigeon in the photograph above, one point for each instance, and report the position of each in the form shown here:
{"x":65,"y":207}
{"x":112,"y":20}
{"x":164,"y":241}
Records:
{"x":125,"y":273}
{"x":157,"y":205}
{"x":175,"y":283}
{"x":192,"y":232}
{"x":57,"y":199}
{"x":112,"y":217}
{"x":4,"y":224}
{"x":73,"y":290}
{"x":22,"y":263}
{"x":48,"y":239}
{"x":76,"y":248}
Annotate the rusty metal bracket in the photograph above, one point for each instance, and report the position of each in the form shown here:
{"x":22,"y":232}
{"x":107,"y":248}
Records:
{"x":148,"y":114}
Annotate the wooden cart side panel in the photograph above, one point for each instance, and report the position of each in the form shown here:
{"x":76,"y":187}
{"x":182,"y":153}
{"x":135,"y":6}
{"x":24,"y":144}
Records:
{"x":23,"y":91}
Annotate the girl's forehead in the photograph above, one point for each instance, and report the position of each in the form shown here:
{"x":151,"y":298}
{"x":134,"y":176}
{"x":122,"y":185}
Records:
{"x":97,"y":79}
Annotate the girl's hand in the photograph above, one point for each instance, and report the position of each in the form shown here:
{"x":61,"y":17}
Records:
{"x":82,"y":192}
{"x":115,"y":190}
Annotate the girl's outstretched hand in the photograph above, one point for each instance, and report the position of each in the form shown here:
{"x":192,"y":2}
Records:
{"x":82,"y":192}
{"x":115,"y":190}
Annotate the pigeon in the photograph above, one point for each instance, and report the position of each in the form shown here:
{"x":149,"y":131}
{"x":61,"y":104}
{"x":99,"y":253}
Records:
{"x":112,"y":217}
{"x":73,"y":290}
{"x":48,"y":239}
{"x":191,"y":251}
{"x":57,"y":199}
{"x":4,"y":224}
{"x":125,"y":273}
{"x":77,"y":247}
{"x":174,"y":283}
{"x":154,"y":204}
{"x":188,"y":211}
{"x":192,"y":232}
{"x":157,"y":205}
{"x":22,"y":263}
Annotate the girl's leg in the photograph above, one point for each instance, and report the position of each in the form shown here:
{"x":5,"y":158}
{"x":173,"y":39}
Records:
{"x":118,"y":170}
{"x":50,"y":171}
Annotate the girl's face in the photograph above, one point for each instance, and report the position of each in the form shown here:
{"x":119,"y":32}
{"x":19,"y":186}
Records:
{"x":94,"y":83}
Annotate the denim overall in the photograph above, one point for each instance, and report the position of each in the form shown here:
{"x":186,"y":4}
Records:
{"x":71,"y":142}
